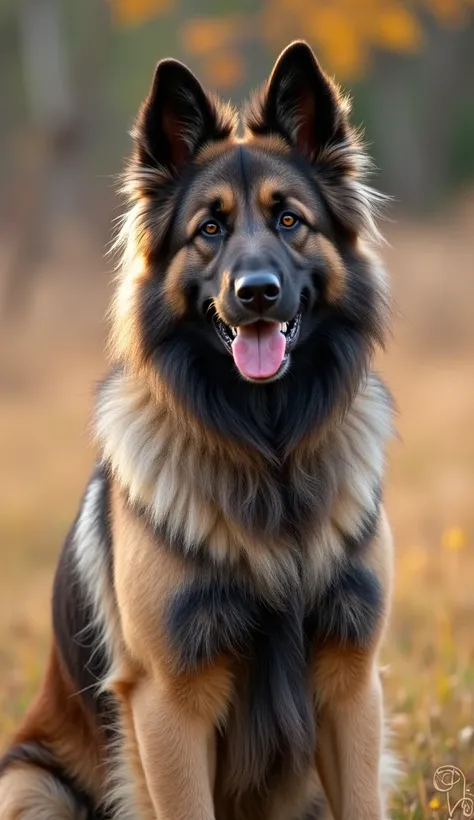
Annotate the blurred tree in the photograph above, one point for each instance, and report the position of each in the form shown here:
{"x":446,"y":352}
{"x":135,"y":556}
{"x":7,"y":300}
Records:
{"x":46,"y":66}
{"x":50,"y":155}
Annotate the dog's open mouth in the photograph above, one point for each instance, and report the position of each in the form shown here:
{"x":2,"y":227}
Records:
{"x":260,"y":349}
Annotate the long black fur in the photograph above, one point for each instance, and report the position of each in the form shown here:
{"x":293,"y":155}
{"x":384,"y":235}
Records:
{"x":209,"y":618}
{"x":347,"y":611}
{"x":219,"y":616}
{"x":77,"y":635}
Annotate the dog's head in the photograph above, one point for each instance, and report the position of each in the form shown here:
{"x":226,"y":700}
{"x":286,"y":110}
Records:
{"x":246,"y":281}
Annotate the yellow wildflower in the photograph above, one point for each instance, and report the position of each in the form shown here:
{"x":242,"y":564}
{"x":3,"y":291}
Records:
{"x":454,"y":539}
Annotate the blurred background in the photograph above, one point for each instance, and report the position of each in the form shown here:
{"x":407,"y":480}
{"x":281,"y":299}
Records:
{"x":73,"y":75}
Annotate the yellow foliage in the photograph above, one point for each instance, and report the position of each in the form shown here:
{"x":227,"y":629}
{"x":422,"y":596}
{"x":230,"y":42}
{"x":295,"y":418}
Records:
{"x":206,"y":34}
{"x":337,"y":36}
{"x":342,"y":31}
{"x":397,"y":29}
{"x":224,"y":70}
{"x":134,"y":12}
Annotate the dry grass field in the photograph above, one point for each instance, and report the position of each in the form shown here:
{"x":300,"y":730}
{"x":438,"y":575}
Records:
{"x":49,"y":361}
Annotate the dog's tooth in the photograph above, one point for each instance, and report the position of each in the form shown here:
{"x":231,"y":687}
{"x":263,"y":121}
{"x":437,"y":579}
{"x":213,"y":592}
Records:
{"x":284,"y":327}
{"x":234,"y":330}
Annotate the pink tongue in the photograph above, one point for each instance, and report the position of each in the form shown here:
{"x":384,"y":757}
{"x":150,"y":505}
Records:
{"x":258,"y":349}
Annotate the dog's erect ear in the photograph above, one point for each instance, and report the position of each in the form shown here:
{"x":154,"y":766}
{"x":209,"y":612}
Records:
{"x":177,"y":118}
{"x":300,"y":103}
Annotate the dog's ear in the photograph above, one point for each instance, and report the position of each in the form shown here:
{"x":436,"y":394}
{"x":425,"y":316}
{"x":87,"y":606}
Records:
{"x":300,"y":103}
{"x":177,"y":118}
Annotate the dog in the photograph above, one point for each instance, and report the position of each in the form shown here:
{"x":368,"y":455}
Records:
{"x":222,"y":594}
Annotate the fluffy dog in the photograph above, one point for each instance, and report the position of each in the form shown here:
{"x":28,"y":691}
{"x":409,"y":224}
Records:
{"x":221,"y":597}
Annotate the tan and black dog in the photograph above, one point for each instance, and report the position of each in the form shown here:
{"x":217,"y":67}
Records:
{"x":221,"y":597}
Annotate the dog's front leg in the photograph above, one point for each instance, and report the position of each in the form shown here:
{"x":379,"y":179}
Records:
{"x":350,"y":736}
{"x":174,"y":724}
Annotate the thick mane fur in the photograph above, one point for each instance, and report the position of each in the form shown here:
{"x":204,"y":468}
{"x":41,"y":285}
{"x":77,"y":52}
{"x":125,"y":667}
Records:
{"x":238,"y":500}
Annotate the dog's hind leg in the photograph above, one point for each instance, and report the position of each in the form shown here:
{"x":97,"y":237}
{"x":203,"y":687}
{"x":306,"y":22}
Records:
{"x":28,"y":792}
{"x":54,"y":769}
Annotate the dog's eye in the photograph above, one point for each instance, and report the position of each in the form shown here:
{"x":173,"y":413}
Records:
{"x":288,"y":220}
{"x":211,"y":228}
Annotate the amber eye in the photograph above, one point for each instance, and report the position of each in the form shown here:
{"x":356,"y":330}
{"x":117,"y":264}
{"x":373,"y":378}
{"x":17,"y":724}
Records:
{"x":288,"y":220}
{"x":210,"y":228}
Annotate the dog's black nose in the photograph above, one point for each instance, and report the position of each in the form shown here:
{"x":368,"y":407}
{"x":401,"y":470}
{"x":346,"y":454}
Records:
{"x":258,"y":291}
